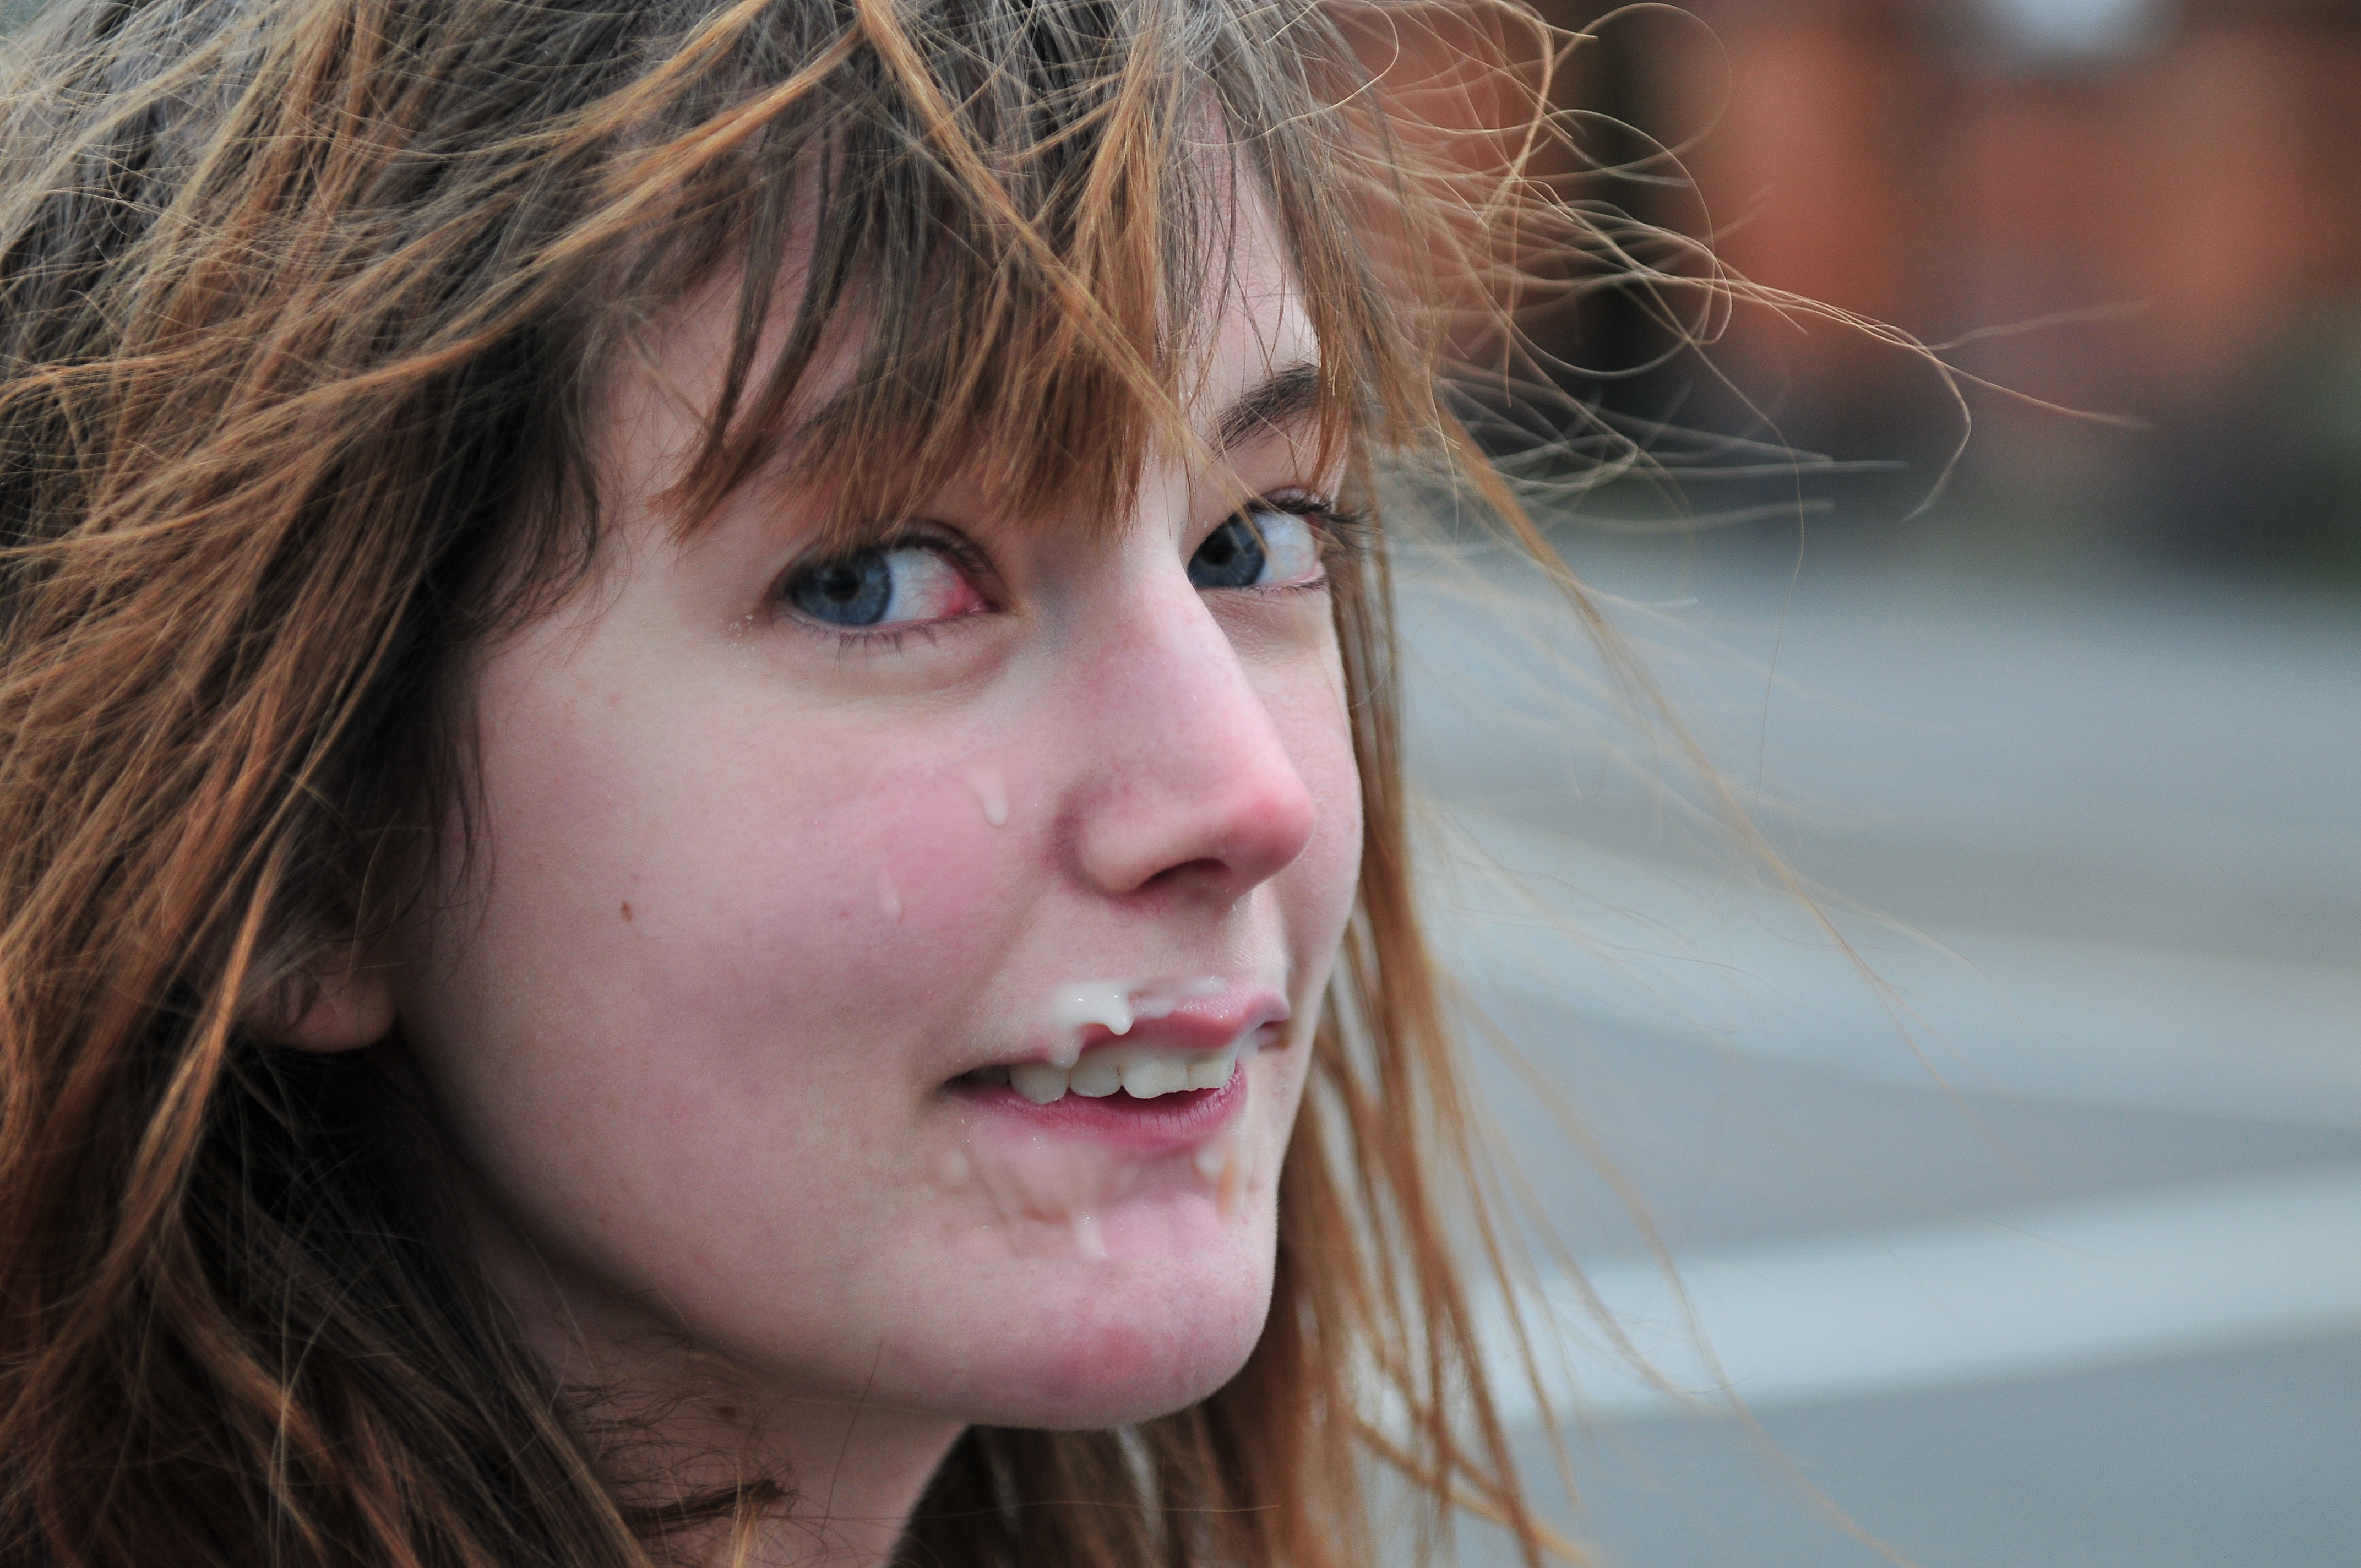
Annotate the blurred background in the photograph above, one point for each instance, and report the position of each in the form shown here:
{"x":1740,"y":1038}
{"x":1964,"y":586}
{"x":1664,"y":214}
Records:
{"x":2034,"y":1238}
{"x":2018,"y":1199}
{"x":2149,"y":210}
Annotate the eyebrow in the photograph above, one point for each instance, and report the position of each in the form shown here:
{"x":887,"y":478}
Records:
{"x":1281,"y":399}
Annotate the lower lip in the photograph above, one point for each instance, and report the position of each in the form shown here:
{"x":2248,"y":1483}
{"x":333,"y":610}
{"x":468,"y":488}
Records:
{"x":1167,"y":1122}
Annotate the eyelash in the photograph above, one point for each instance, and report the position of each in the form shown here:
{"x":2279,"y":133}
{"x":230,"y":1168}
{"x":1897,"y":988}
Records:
{"x":851,"y":639}
{"x":866,"y":639}
{"x":1345,"y":536}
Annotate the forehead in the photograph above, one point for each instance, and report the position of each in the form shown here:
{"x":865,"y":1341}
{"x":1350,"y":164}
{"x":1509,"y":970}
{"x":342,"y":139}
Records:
{"x":1243,"y":362}
{"x":1260,"y":329}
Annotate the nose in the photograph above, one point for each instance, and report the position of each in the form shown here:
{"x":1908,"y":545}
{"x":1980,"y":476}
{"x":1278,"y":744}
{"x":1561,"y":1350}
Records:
{"x":1188,"y":784}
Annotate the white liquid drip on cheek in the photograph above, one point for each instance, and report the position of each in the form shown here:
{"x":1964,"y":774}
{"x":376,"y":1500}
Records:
{"x":1087,"y":1243}
{"x":1049,"y":1197}
{"x":1052,"y":1195}
{"x":1042,"y":1197}
{"x":991,"y":794}
{"x":953,"y":1171}
{"x":1226,"y":1163}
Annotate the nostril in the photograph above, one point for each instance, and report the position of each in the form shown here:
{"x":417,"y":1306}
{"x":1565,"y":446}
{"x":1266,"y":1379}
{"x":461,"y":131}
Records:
{"x":1206,"y":868}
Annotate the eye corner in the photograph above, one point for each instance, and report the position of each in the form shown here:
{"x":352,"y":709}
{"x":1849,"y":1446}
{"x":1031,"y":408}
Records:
{"x":1337,"y":524}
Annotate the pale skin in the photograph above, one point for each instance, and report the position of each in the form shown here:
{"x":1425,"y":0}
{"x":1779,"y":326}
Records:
{"x":756,"y":890}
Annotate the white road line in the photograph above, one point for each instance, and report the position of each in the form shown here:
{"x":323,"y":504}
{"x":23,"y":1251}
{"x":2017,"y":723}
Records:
{"x":2039,"y":1291}
{"x":1561,"y":925}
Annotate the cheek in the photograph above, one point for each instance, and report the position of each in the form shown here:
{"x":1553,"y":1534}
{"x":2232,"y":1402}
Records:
{"x":835,"y":902}
{"x":1323,"y":881}
{"x":724,"y":894}
{"x":689,"y":939}
{"x":724,"y":959}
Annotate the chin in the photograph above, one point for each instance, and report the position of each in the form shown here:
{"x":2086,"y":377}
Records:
{"x":1112,"y":1343}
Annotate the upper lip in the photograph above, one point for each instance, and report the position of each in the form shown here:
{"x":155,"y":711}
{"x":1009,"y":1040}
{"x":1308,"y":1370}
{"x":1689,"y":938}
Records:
{"x":1196,"y":1024}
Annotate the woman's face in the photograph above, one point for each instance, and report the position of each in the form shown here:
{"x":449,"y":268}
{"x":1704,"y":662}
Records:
{"x":799,"y":881}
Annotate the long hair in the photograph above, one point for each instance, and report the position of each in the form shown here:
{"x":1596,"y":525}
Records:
{"x":304,"y":307}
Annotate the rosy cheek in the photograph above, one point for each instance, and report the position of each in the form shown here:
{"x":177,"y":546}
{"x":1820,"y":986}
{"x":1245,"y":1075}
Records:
{"x":911,"y":882}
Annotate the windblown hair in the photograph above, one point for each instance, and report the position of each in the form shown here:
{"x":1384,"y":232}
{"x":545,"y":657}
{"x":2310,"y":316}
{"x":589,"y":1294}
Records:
{"x":305,"y":306}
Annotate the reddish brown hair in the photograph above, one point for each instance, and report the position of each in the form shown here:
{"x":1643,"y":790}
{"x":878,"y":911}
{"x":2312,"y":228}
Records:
{"x":302,"y":306}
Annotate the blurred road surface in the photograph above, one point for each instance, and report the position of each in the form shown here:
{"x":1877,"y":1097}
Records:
{"x":2041,"y":1246}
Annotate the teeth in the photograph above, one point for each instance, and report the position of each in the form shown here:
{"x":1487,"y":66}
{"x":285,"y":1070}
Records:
{"x":1096,"y":1079}
{"x":1213,"y":1071}
{"x":1142,"y":1073}
{"x":1039,"y":1082}
{"x":1158,"y":1075}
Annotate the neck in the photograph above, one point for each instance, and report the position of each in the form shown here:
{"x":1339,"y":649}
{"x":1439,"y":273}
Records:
{"x":859,"y":1472}
{"x":852,"y":1475}
{"x":672,"y":1424}
{"x":833,"y":1481}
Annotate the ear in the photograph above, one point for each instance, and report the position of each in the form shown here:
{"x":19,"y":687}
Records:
{"x":336,"y":1001}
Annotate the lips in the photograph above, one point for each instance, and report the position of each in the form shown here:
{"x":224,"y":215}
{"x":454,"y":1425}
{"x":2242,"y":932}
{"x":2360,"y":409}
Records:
{"x":1142,"y":1070}
{"x":1167,"y":1123}
{"x":1172,"y":1040}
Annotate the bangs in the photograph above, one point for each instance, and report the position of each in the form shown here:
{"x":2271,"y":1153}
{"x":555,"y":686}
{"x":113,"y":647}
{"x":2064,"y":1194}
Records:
{"x":992,"y":243}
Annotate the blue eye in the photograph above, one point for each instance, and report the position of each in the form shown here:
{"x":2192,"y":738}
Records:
{"x":845,"y":593}
{"x":1264,"y":546}
{"x":1231,"y":557}
{"x":906,"y":585}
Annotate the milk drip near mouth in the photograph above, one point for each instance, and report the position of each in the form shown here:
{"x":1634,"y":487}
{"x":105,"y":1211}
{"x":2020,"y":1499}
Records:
{"x":1142,"y":1072}
{"x":1139,"y":1071}
{"x":1036,"y":1196}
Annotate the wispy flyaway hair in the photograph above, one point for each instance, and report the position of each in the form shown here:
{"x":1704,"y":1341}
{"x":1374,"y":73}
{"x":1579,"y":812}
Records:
{"x":305,"y":309}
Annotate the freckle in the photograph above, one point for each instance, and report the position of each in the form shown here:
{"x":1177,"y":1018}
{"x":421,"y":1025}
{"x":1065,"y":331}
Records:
{"x":627,"y":909}
{"x":726,"y":1412}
